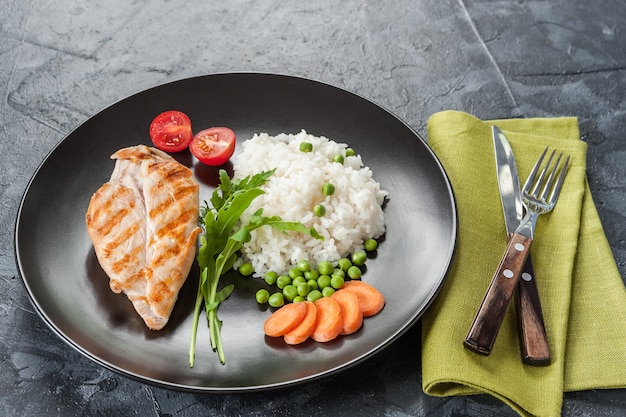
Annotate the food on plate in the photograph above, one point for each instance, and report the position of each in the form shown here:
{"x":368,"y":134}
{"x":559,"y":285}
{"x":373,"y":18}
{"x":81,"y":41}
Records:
{"x":371,"y":301}
{"x":302,"y":282}
{"x":346,"y":217}
{"x":324,"y":185}
{"x":213,"y":146}
{"x":143,"y":224}
{"x":326,"y":318}
{"x":350,"y":311}
{"x":285,"y":319}
{"x":224,"y":234}
{"x":305,"y":328}
{"x":328,"y":323}
{"x":370,"y":245}
{"x":171,"y":131}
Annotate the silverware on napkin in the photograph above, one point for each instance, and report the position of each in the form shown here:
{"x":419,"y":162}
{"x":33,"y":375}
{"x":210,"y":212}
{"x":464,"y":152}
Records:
{"x":539,"y":196}
{"x":532,"y":334}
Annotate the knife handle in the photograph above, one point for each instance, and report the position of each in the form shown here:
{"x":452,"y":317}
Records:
{"x":484,"y":330}
{"x":532,"y":332}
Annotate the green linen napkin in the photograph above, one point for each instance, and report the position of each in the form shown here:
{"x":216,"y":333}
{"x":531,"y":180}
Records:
{"x":582,"y":293}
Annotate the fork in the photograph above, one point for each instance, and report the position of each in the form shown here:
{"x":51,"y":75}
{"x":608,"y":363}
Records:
{"x":539,"y":196}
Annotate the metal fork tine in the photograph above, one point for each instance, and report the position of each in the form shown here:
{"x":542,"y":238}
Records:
{"x":559,"y":184}
{"x":531,"y":178}
{"x":548,"y":186}
{"x":537,"y":186}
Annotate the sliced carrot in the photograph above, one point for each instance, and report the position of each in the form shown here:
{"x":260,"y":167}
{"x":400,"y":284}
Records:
{"x":284,"y":319}
{"x":304,"y":330}
{"x":328,"y":323}
{"x":371,"y":301}
{"x":351,"y":314}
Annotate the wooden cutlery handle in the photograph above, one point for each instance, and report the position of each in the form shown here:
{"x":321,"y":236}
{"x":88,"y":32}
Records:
{"x":486,"y":325}
{"x":532,"y":332}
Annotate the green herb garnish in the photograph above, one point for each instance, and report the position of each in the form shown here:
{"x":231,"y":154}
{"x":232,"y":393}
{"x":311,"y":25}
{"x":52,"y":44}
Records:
{"x":220,"y":243}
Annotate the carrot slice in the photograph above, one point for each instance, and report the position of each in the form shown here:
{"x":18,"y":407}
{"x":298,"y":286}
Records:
{"x":328,"y":323}
{"x":284,"y":319}
{"x":351,"y":313}
{"x":304,"y":330}
{"x":371,"y":301}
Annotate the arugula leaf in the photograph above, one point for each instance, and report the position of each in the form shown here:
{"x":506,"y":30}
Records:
{"x":220,"y":243}
{"x":256,"y":220}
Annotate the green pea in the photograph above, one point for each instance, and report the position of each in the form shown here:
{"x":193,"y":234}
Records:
{"x":338,"y":158}
{"x":350,"y":152}
{"x":303,"y":289}
{"x":262,"y":296}
{"x":314,"y":295}
{"x":319,"y":210}
{"x":294,"y":272}
{"x":328,"y":291}
{"x":325,"y":268}
{"x":303,"y":265}
{"x":328,"y":188}
{"x":306,"y":146}
{"x":246,"y":269}
{"x":312,"y":283}
{"x":282,"y":281}
{"x":338,"y":273}
{"x":323,"y":281}
{"x":336,"y":282}
{"x":370,"y":245}
{"x":354,"y":272}
{"x":290,"y":292}
{"x":359,"y":258}
{"x":312,"y":274}
{"x":298,"y":280}
{"x":298,"y":299}
{"x":276,"y":299}
{"x":270,"y":277}
{"x":344,"y":264}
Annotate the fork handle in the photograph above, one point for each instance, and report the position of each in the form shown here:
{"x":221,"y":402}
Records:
{"x":484,"y":330}
{"x":531,"y":329}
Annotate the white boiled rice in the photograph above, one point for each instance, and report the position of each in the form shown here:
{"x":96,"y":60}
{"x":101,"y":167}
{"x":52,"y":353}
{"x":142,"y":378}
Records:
{"x":353,"y":213}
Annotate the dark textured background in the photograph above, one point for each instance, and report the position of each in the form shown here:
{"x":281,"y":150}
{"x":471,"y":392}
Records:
{"x":63,"y":61}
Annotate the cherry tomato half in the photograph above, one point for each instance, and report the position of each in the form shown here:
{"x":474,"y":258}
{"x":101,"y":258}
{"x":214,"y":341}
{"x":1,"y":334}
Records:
{"x":213,"y":146}
{"x":171,"y":131}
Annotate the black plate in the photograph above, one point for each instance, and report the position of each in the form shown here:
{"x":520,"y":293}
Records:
{"x":70,"y":291}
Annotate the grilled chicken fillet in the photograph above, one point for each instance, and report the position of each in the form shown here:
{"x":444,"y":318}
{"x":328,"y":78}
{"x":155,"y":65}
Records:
{"x":144,"y":225}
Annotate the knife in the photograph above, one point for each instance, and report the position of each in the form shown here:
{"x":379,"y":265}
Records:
{"x":533,"y":339}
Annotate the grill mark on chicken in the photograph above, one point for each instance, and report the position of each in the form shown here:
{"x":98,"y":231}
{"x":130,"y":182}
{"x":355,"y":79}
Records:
{"x":158,"y":293}
{"x":183,"y":192}
{"x":134,"y":280}
{"x":170,"y":172}
{"x":122,"y":238}
{"x":144,"y":226}
{"x":161,"y":208}
{"x":164,"y":256}
{"x":111,"y":220}
{"x":178,"y":195}
{"x":122,"y":263}
{"x":177,"y":223}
